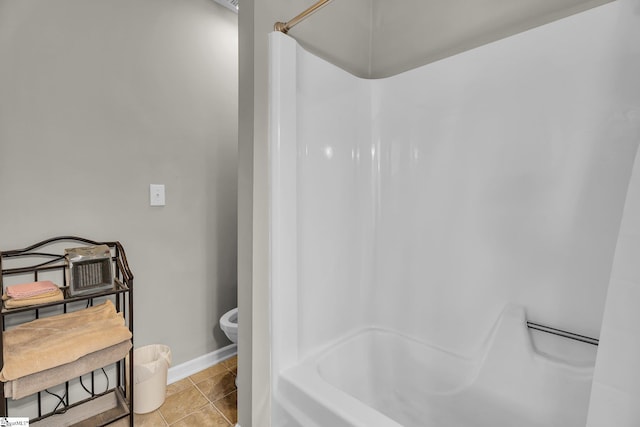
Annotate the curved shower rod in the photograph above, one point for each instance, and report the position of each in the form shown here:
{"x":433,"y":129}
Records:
{"x":284,"y":27}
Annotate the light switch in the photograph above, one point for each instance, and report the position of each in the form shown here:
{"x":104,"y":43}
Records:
{"x":156,"y":195}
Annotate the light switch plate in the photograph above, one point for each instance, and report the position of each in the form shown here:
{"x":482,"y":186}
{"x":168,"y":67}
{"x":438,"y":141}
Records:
{"x":156,"y":195}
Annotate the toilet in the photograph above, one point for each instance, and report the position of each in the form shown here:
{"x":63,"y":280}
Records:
{"x":229,"y":324}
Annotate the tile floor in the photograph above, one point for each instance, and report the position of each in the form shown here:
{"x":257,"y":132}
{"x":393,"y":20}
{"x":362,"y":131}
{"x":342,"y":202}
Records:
{"x":207,"y":398}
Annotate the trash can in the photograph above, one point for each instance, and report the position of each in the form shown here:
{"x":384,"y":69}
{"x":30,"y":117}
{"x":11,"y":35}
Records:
{"x":150,"y":366}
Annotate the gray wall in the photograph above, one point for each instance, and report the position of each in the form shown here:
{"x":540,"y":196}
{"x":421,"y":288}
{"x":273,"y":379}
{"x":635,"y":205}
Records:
{"x":98,"y":99}
{"x":406,"y":34}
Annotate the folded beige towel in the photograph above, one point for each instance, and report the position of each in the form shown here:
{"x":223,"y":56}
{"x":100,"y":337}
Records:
{"x":39,"y":381}
{"x":53,"y":296}
{"x":53,"y":341}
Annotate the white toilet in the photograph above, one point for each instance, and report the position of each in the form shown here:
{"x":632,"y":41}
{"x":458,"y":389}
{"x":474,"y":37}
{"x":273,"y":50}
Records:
{"x":229,"y":324}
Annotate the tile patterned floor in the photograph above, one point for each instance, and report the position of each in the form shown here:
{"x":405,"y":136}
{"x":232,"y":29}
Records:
{"x":207,"y":398}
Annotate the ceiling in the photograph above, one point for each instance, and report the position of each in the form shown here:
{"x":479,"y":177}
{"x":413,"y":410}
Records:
{"x":379,"y":38}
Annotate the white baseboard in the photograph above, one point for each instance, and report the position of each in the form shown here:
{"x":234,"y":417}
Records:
{"x":183,"y":370}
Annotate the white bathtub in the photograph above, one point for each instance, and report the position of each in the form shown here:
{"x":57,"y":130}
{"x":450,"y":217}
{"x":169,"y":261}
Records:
{"x":381,"y":378}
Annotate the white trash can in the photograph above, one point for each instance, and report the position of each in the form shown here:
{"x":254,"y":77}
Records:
{"x":150,"y":366}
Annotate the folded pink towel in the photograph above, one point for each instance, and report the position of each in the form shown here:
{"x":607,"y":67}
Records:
{"x":28,"y":290}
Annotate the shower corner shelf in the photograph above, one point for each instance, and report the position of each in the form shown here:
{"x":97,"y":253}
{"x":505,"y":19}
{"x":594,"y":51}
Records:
{"x":32,"y":264}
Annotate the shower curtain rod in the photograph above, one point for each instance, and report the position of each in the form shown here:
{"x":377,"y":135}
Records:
{"x":284,"y":27}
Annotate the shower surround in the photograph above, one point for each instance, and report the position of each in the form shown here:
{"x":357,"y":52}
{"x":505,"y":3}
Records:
{"x":418,"y":221}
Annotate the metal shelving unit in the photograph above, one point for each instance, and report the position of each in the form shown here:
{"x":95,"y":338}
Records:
{"x":43,"y":261}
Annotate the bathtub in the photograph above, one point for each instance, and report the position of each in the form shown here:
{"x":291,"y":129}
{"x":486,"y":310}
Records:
{"x":377,"y":377}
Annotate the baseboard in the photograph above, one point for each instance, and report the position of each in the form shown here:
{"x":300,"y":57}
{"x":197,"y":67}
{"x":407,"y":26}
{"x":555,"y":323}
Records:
{"x":183,"y":370}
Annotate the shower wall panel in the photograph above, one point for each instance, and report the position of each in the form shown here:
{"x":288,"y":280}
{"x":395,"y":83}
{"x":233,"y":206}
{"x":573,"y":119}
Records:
{"x":503,"y":177}
{"x":425,"y":202}
{"x":334,"y":213}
